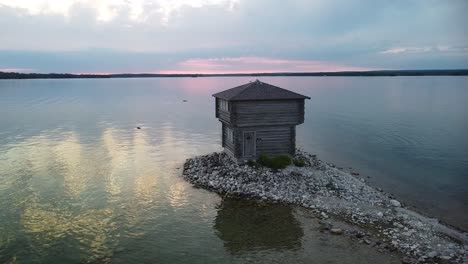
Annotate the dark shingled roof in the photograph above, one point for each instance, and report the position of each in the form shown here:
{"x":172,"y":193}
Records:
{"x":258,"y":91}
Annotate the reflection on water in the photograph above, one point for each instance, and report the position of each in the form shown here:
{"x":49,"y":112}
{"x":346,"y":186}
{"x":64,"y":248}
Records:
{"x":53,"y":231}
{"x":75,"y":200}
{"x":69,"y":155}
{"x":117,"y":161}
{"x":79,"y":183}
{"x":251,"y":226}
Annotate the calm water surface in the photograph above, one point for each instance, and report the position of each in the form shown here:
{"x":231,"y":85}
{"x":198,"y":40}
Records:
{"x":79,"y":182}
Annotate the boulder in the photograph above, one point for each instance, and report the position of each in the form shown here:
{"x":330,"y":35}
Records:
{"x":395,"y":203}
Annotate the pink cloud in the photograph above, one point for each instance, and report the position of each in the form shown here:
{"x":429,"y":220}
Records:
{"x":16,"y":70}
{"x":100,"y":73}
{"x":258,"y":64}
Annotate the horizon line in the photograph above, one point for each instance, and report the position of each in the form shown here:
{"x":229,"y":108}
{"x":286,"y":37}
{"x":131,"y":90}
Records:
{"x":371,"y":73}
{"x":228,"y":73}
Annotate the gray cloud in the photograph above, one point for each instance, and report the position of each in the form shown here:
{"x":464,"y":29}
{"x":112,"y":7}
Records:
{"x":355,"y":33}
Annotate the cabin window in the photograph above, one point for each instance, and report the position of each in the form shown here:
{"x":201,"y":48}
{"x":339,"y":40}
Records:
{"x":224,"y":105}
{"x":229,"y":135}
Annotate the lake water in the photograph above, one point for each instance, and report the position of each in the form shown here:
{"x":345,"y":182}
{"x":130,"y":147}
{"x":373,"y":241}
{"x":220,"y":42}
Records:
{"x":79,"y":182}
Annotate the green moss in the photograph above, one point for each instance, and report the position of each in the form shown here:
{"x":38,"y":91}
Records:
{"x":264,"y":160}
{"x":252,"y":163}
{"x":280,"y":161}
{"x":275,"y":162}
{"x":299,"y":162}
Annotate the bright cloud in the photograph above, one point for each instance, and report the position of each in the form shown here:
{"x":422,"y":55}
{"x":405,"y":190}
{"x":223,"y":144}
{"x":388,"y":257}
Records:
{"x":404,"y":50}
{"x":106,"y":10}
{"x":168,"y":7}
{"x":438,"y":48}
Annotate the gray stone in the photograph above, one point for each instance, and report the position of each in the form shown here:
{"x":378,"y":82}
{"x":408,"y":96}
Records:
{"x":329,"y":191}
{"x":395,"y":203}
{"x":336,"y":231}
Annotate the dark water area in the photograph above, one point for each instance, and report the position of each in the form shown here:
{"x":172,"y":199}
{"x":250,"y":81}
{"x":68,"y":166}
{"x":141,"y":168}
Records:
{"x":79,"y":183}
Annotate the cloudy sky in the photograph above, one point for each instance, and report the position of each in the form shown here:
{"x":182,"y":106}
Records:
{"x":214,"y":36}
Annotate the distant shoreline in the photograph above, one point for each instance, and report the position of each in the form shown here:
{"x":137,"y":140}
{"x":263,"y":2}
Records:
{"x":390,"y":73}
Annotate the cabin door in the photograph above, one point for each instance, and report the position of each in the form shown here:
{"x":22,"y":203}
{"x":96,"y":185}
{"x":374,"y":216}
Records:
{"x":249,"y":144}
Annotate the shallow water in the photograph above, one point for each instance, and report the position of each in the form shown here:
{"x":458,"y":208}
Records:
{"x":79,"y":182}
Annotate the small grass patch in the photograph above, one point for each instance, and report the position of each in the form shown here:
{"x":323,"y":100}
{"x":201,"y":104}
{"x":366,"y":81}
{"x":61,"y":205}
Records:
{"x":275,"y":162}
{"x":263,"y":160}
{"x":252,"y":163}
{"x":299,"y":162}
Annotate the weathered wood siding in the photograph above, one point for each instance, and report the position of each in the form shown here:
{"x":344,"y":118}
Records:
{"x":272,"y":140}
{"x":227,"y":144}
{"x":222,"y":114}
{"x":273,"y":121}
{"x":292,"y":144}
{"x":267,"y":113}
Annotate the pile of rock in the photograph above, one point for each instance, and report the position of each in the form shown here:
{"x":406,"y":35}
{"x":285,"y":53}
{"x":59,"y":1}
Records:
{"x":329,"y":191}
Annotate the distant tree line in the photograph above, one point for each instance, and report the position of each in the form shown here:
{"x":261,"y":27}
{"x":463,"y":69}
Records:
{"x":17,"y":75}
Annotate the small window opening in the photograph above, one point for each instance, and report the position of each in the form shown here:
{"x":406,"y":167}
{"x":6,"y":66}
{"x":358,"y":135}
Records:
{"x":224,"y":105}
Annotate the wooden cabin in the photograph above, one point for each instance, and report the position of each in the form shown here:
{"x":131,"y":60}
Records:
{"x":259,"y":118}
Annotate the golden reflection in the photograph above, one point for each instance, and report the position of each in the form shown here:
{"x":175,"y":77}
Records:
{"x":41,"y":155}
{"x":89,"y":229}
{"x":151,"y":174}
{"x":118,"y":161}
{"x":147,"y":170}
{"x":69,"y":152}
{"x":92,"y":229}
{"x":177,"y":194}
{"x":174,"y":149}
{"x":137,"y":163}
{"x":45,"y":225}
{"x":54,"y":162}
{"x":45,"y":158}
{"x":33,"y":153}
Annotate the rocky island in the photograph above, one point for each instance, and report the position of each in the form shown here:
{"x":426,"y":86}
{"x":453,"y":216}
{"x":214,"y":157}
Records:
{"x":332,"y":193}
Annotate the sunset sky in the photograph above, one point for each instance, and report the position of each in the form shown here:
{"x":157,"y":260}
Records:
{"x":219,"y":36}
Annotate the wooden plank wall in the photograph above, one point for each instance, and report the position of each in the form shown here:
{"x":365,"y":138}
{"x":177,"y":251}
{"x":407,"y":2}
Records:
{"x":266,"y":113}
{"x":273,"y":121}
{"x":273,"y":140}
{"x":228,"y":145}
{"x":222,"y":114}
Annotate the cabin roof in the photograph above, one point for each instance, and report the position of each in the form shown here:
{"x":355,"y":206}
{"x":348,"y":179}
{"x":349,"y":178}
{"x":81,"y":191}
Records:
{"x":258,"y":90}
